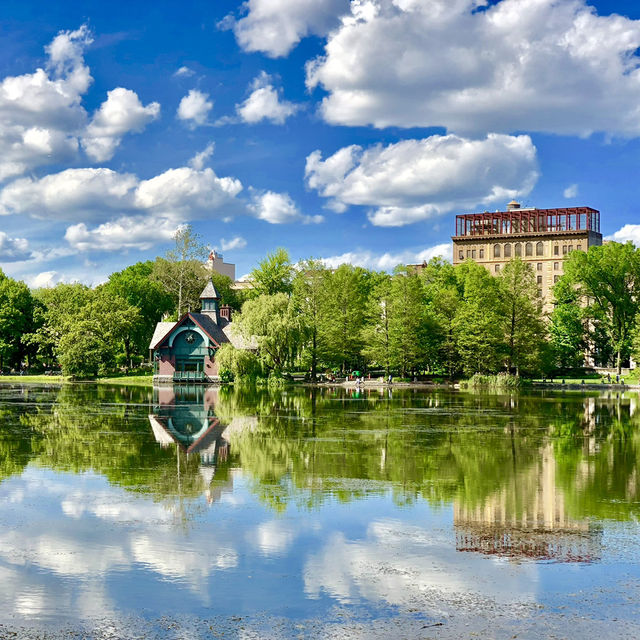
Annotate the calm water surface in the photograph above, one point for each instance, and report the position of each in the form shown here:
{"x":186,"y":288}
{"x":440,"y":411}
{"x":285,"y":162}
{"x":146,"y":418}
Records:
{"x":199,"y":513}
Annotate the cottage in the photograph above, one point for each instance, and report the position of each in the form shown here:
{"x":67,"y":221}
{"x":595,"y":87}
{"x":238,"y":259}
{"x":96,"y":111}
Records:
{"x":184,"y":351}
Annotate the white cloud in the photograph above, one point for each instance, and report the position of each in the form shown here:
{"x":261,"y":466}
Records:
{"x":264,"y":103}
{"x":194,"y":108}
{"x":13,"y":249}
{"x":274,"y":27}
{"x":184,"y":72}
{"x":100,"y":194}
{"x":279,"y":208}
{"x":121,"y":113}
{"x":628,"y":233}
{"x":125,"y":233}
{"x":235,"y":243}
{"x":45,"y":280}
{"x":198,"y":161}
{"x":514,"y":65}
{"x":571,"y":191}
{"x":40,"y":113}
{"x":388,"y":261}
{"x":413,"y":180}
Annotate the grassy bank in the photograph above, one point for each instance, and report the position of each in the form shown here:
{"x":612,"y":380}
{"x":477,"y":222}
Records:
{"x":134,"y":381}
{"x":41,"y":378}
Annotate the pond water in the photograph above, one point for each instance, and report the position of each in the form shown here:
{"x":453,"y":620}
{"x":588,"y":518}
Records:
{"x":329,"y":513}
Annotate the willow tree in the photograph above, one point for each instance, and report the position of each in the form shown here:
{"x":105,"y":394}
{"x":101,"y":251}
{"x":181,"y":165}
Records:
{"x":607,"y":279}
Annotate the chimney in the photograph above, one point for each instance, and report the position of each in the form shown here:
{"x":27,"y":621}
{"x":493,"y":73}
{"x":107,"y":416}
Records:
{"x":225,"y":312}
{"x":513,"y":205}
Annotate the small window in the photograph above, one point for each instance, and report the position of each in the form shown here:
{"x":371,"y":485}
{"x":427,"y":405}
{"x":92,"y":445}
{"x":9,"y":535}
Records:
{"x":539,"y":249}
{"x":539,"y":279}
{"x":579,"y":247}
{"x":564,"y":249}
{"x":496,"y":250}
{"x":497,"y":268}
{"x":468,"y":253}
{"x":528,"y":249}
{"x":507,"y":250}
{"x":518,"y":250}
{"x":481,"y":254}
{"x":555,"y":279}
{"x":570,"y":248}
{"x":461,"y":255}
{"x":539,"y":266}
{"x":473,"y":254}
{"x":556,"y":266}
{"x":556,"y":250}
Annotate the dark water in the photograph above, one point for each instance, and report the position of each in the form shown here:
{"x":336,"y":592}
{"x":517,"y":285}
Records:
{"x":127,"y":513}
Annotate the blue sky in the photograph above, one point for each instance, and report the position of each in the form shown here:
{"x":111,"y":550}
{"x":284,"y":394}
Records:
{"x":348,"y":131}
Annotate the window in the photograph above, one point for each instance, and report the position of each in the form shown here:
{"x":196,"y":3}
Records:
{"x":468,"y":253}
{"x":481,"y":254}
{"x":496,"y":250}
{"x":570,"y":248}
{"x":579,"y":247}
{"x":555,"y":279}
{"x":461,"y":255}
{"x":528,"y":249}
{"x":539,"y":266}
{"x":497,"y":268}
{"x":556,"y":250}
{"x":539,"y":249}
{"x":556,"y":266}
{"x":564,"y":249}
{"x":518,"y":250}
{"x":507,"y":250}
{"x":539,"y":279}
{"x":473,"y":254}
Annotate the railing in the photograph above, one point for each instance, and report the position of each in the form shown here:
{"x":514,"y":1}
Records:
{"x":188,"y":376}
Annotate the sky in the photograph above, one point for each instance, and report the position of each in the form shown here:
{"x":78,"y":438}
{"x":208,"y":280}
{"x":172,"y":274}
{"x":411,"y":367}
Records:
{"x":349,"y":131}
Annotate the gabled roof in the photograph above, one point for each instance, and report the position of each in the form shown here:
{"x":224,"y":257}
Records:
{"x":210,"y":292}
{"x":211,"y":329}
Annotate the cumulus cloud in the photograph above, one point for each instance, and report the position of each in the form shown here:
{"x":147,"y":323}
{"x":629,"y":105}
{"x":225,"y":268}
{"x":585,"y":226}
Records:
{"x":121,"y":113}
{"x":519,"y":65}
{"x":628,"y":233}
{"x":235,"y":243}
{"x":100,"y":194}
{"x":198,"y":161}
{"x":45,"y":280}
{"x":274,"y":27}
{"x":388,"y":260}
{"x":279,"y":208}
{"x":194,"y":108}
{"x":13,"y":249}
{"x":571,"y":191}
{"x":264,"y":103}
{"x":125,"y":233}
{"x":413,"y":180}
{"x":40,"y":112}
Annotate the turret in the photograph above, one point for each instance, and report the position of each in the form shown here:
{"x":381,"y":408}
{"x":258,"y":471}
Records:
{"x":210,"y":300}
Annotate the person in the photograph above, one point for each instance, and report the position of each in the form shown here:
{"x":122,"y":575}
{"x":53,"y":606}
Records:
{"x":390,"y":379}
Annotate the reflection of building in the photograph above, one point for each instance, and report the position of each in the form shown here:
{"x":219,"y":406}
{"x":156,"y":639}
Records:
{"x":184,"y":417}
{"x":542,"y":237}
{"x":185,"y":350}
{"x":527,"y":519}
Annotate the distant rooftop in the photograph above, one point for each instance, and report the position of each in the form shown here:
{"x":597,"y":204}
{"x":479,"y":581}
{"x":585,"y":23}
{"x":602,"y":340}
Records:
{"x":517,"y":220}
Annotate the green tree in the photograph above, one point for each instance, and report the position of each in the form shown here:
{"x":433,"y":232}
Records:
{"x":608,"y":281}
{"x":181,"y":272}
{"x":309,"y":292}
{"x":523,"y":321}
{"x":274,"y":274}
{"x":566,"y":327}
{"x":376,"y":332}
{"x":16,"y":317}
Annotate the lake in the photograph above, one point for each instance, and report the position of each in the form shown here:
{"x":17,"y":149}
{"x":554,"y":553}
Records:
{"x":318,"y":513}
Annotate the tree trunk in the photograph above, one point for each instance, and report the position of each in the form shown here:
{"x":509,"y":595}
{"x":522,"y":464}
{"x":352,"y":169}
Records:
{"x":618,"y":362}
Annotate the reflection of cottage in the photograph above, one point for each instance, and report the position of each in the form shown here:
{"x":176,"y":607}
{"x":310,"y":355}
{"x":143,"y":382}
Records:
{"x":184,"y":351}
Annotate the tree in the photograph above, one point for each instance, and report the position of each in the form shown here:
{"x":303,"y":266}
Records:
{"x":274,"y":274}
{"x":607,"y":279}
{"x":272,"y":322}
{"x":181,"y":271}
{"x":523,"y":323}
{"x":566,"y":327}
{"x":16,"y":316}
{"x":135,"y":285}
{"x":309,"y":292}
{"x":376,"y":333}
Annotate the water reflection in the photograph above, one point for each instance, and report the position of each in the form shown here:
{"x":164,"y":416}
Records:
{"x":205,"y":498}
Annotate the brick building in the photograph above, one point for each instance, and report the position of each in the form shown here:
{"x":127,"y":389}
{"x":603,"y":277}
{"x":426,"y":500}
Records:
{"x":542,"y":237}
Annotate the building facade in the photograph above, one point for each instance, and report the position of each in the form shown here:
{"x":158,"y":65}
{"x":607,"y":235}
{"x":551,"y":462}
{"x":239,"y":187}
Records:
{"x":216,"y":262}
{"x":541,"y":237}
